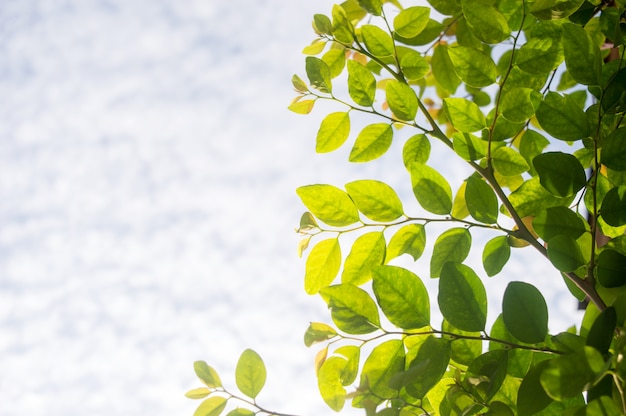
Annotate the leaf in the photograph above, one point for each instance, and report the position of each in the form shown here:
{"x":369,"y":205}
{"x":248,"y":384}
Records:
{"x":531,"y":198}
{"x":525,"y":312}
{"x":464,"y":115}
{"x":495,"y":255}
{"x":352,"y":309}
{"x":374,"y":7}
{"x":402,"y":297}
{"x":207,"y":374}
{"x":428,"y":367}
{"x":315,"y":47}
{"x":459,"y":206}
{"x":322,"y":24}
{"x":561,"y":117}
{"x":336,"y":61}
{"x":318,"y":332}
{"x":554,"y":9}
{"x":212,"y":406}
{"x":468,"y":146}
{"x":411,"y":21}
{"x":372,"y":142}
{"x":410,"y":239}
{"x":486,"y":22}
{"x":385,"y":360}
{"x":329,"y":382}
{"x":602,"y":331}
{"x":567,"y":375}
{"x":614,"y":150}
{"x":301,"y":106}
{"x":443,"y":69}
{"x":414,"y":66}
{"x":558,"y":221}
{"x":352,"y":354}
{"x":318,"y":73}
{"x":540,"y":55}
{"x":431,"y":189}
{"x":462,"y":298}
{"x":531,"y":144}
{"x":452,"y":245}
{"x":463,"y":350}
{"x":611,"y":268}
{"x":342,"y":28}
{"x":298,"y":84}
{"x":322,"y":265}
{"x":582,"y":55}
{"x":368,"y":251}
{"x":531,"y":397}
{"x":560,"y":173}
{"x":481,"y":201}
{"x":199,"y":393}
{"x":519,"y":360}
{"x":474,"y":67}
{"x":240,"y":411}
{"x":329,"y":204}
{"x":376,"y":200}
{"x":333,"y":132}
{"x":508,"y":162}
{"x":519,"y":104}
{"x":361,"y":84}
{"x":402,"y":100}
{"x":613,"y":209}
{"x":416,"y":150}
{"x":486,"y":374}
{"x":564,"y":253}
{"x":377,"y":41}
{"x":250,"y":373}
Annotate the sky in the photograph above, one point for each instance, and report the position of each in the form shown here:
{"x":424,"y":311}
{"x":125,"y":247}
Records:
{"x":147,"y":203}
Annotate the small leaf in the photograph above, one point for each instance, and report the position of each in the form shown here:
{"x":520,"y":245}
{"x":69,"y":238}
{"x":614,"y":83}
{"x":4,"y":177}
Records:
{"x":486,"y":22}
{"x":329,"y":204}
{"x":368,"y":251}
{"x":301,"y":106}
{"x":443,"y":69}
{"x":614,"y":150}
{"x":333,"y":132}
{"x":199,"y":393}
{"x":525,"y":312}
{"x":298,"y":84}
{"x":377,"y":41}
{"x":402,"y":297}
{"x":431,"y":189}
{"x":322,"y":24}
{"x":352,"y":309}
{"x":462,"y":297}
{"x":207,"y":374}
{"x":411,"y":21}
{"x":414,"y":66}
{"x":613,"y":209}
{"x":410,"y":239}
{"x":374,"y":7}
{"x":564,"y":253}
{"x":562,"y":118}
{"x":341,"y":27}
{"x":372,"y":142}
{"x":250,"y":373}
{"x":416,"y":150}
{"x":464,"y":115}
{"x":402,"y":100}
{"x":361,"y":84}
{"x":486,"y":374}
{"x":240,"y":411}
{"x":452,"y":245}
{"x":560,"y":173}
{"x":481,"y":201}
{"x":508,"y":162}
{"x":213,"y":406}
{"x":322,"y":265}
{"x":318,"y":73}
{"x":474,"y":67}
{"x":611,"y":268}
{"x":495,"y":255}
{"x":376,"y":200}
{"x":318,"y":332}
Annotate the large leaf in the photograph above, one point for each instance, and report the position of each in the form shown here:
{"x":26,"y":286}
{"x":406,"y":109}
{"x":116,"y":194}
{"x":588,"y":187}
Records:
{"x":582,"y":55}
{"x":377,"y":41}
{"x":329,"y":382}
{"x":372,"y":142}
{"x":333,"y":132}
{"x":329,"y":204}
{"x":376,"y":200}
{"x":322,"y":265}
{"x":452,"y":245}
{"x":402,"y":100}
{"x":531,"y":397}
{"x":474,"y":67}
{"x":385,"y":360}
{"x":485,"y":21}
{"x":507,"y":162}
{"x":531,"y":198}
{"x":611,"y":268}
{"x":431,"y":189}
{"x":443,"y":69}
{"x":560,"y":173}
{"x":402,"y":296}
{"x":428,"y":367}
{"x":411,"y":21}
{"x":481,"y":201}
{"x":462,"y":297}
{"x":613,"y":209}
{"x":495,"y":255}
{"x":556,"y":221}
{"x":567,"y":375}
{"x":464,"y":115}
{"x":336,"y":60}
{"x":361,"y":84}
{"x":554,"y":9}
{"x":410,"y":239}
{"x":318,"y":73}
{"x":250,"y":373}
{"x":525,"y":312}
{"x":368,"y":251}
{"x":565,"y":253}
{"x":561,"y":117}
{"x":352,"y":309}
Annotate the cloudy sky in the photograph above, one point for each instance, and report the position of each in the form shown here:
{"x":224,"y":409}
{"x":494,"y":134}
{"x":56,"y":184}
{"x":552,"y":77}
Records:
{"x":147,"y":206}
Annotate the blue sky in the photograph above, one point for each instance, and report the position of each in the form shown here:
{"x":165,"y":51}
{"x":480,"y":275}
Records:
{"x":147,"y":202}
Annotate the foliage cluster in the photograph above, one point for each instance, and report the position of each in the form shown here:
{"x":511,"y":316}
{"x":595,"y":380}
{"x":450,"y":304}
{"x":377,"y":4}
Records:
{"x":531,"y":95}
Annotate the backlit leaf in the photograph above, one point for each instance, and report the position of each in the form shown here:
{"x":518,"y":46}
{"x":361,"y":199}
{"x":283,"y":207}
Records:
{"x":560,"y":173}
{"x":352,"y":309}
{"x":342,"y":28}
{"x":416,"y":150}
{"x":519,"y":104}
{"x":540,"y":55}
{"x":582,"y":55}
{"x":207,"y":374}
{"x":402,"y":100}
{"x":329,"y":382}
{"x":463,"y":350}
{"x":431,"y":189}
{"x":443,"y":69}
{"x":508,"y":162}
{"x":428,"y":367}
{"x":495,"y":255}
{"x":318,"y":73}
{"x":452,"y":245}
{"x":376,"y":200}
{"x":462,"y":297}
{"x":519,"y":360}
{"x":411,"y":21}
{"x":361,"y":84}
{"x":474,"y":67}
{"x":562,"y":118}
{"x":199,"y":393}
{"x":531,"y":198}
{"x":614,"y":150}
{"x":377,"y":41}
{"x":368,"y":251}
{"x":410,"y":239}
{"x":613,"y":209}
{"x":213,"y":406}
{"x":333,"y":132}
{"x":414,"y":66}
{"x":384,"y":362}
{"x":564,"y":253}
{"x":464,"y":115}
{"x":568,"y":374}
{"x":372,"y":142}
{"x":485,"y":21}
{"x":336,"y":61}
{"x":318,"y":332}
{"x":329,"y":204}
{"x":468,"y":146}
{"x":525,"y":312}
{"x":481,"y":201}
{"x":250,"y":373}
{"x":556,"y":221}
{"x":322,"y":265}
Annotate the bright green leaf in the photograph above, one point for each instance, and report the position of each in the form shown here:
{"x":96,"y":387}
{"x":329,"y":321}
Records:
{"x":481,"y":201}
{"x":474,"y":67}
{"x":410,"y":239}
{"x":372,"y":142}
{"x":361,"y":84}
{"x":462,"y":297}
{"x":213,"y":406}
{"x":463,"y":350}
{"x":322,"y":265}
{"x":302,"y":106}
{"x":329,"y":382}
{"x":519,"y":360}
{"x":428,"y":367}
{"x":519,"y":104}
{"x":582,"y":55}
{"x":416,"y":150}
{"x":568,"y":374}
{"x":322,"y":24}
{"x":540,"y":55}
{"x":452,"y":245}
{"x":443,"y":69}
{"x":495,"y":255}
{"x":468,"y":146}
{"x":318,"y":73}
{"x":368,"y":251}
{"x":402,"y":100}
{"x":376,"y":200}
{"x":414,"y":66}
{"x":199,"y":393}
{"x":560,"y":173}
{"x":342,"y":28}
{"x":464,"y":115}
{"x":318,"y":332}
{"x":333,"y":132}
{"x":207,"y":374}
{"x":431,"y":189}
{"x":377,"y":41}
{"x":562,"y":118}
{"x":336,"y":61}
{"x":531,"y":198}
{"x":385,"y":360}
{"x":352,"y":309}
{"x":329,"y":204}
{"x":250,"y":373}
{"x":556,"y":221}
{"x":374,"y":7}
{"x":508,"y":162}
{"x":564,"y":253}
{"x":485,"y":21}
{"x":411,"y":21}
{"x":525,"y":312}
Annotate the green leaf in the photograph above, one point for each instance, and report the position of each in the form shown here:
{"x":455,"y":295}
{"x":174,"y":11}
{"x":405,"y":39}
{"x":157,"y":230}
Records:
{"x":377,"y":41}
{"x":410,"y":239}
{"x":368,"y":251}
{"x":322,"y":24}
{"x":414,"y":66}
{"x":428,"y":367}
{"x":474,"y":67}
{"x":486,"y":374}
{"x":562,"y":118}
{"x":613,"y":209}
{"x":301,"y":106}
{"x":212,"y":406}
{"x":336,"y":60}
{"x":462,"y":297}
{"x":532,"y":144}
{"x":318,"y":332}
{"x":554,"y":9}
{"x":443,"y":69}
{"x":463,"y":350}
{"x":540,"y":55}
{"x":567,"y":375}
{"x":318,"y":73}
{"x":519,"y":360}
{"x":240,"y":411}
{"x":464,"y":115}
{"x":333,"y":132}
{"x":199,"y":393}
{"x":468,"y":146}
{"x":611,"y":268}
{"x":352,"y":309}
{"x":459,"y":207}
{"x":342,"y":28}
{"x":329,"y":204}
{"x":361,"y":84}
{"x":558,"y":221}
{"x":518,"y":104}
{"x":416,"y":150}
{"x":582,"y":55}
{"x":322,"y":265}
{"x":250,"y":373}
{"x":525,"y":312}
{"x":495,"y":255}
{"x":431,"y":189}
{"x":207,"y":374}
{"x":531,"y":397}
{"x":452,"y":245}
{"x":298,"y":84}
{"x":508,"y":162}
{"x":481,"y":200}
{"x":531,"y":198}
{"x":564,"y":253}
{"x":402,"y":297}
{"x":614,"y":150}
{"x":376,"y":200}
{"x":402,"y":100}
{"x":485,"y":21}
{"x":385,"y":360}
{"x":560,"y":173}
{"x":371,"y":143}
{"x":352,"y":354}
{"x":329,"y":382}
{"x":411,"y":21}
{"x":315,"y":47}
{"x":602,"y":331}
{"x":374,"y":7}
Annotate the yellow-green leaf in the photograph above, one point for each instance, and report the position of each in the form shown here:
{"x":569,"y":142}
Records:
{"x":250,"y":373}
{"x":322,"y":265}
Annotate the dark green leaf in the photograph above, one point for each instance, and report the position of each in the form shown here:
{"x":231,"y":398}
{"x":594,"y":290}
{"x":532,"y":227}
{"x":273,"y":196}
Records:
{"x":333,"y":132}
{"x":462,"y":297}
{"x":558,"y":221}
{"x":540,"y":55}
{"x":352,"y":309}
{"x":368,"y":251}
{"x":614,"y":150}
{"x":410,"y":239}
{"x":474,"y":67}
{"x":318,"y":332}
{"x":402,"y":297}
{"x":602,"y":331}
{"x":611,"y":268}
{"x":329,"y":204}
{"x":372,"y":142}
{"x":582,"y":55}
{"x":428,"y":367}
{"x":481,"y":201}
{"x":613,"y":209}
{"x":532,"y":398}
{"x":564,"y":253}
{"x":250,"y":373}
{"x":361,"y":84}
{"x":495,"y":255}
{"x":560,"y":173}
{"x":562,"y":118}
{"x":486,"y":374}
{"x":431,"y":189}
{"x":319,"y":74}
{"x":531,"y":198}
{"x":554,"y":9}
{"x":376,"y":200}
{"x":322,"y":265}
{"x":567,"y":375}
{"x":464,"y":115}
{"x":416,"y":150}
{"x":452,"y":245}
{"x":525,"y":313}
{"x":402,"y":100}
{"x":485,"y":21}
{"x":377,"y":41}
{"x":411,"y":21}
